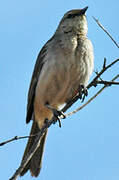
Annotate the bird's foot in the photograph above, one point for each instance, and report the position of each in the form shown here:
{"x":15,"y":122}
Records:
{"x":57,"y":114}
{"x":83,"y":92}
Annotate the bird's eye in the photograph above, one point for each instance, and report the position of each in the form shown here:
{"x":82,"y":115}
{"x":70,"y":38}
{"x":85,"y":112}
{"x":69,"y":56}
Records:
{"x":73,"y":15}
{"x":70,"y":15}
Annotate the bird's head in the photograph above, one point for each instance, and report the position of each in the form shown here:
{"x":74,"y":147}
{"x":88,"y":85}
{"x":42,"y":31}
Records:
{"x":74,"y":20}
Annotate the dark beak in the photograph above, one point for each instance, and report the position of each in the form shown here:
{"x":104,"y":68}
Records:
{"x":84,"y":10}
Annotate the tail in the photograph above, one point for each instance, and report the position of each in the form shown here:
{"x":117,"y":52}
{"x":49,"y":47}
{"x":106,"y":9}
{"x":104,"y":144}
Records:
{"x":34,"y":165}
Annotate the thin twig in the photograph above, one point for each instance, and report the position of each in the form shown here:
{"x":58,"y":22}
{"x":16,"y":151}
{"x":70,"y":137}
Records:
{"x":104,"y":64}
{"x":101,"y":72}
{"x":107,"y":82}
{"x":16,"y":138}
{"x":100,"y":25}
{"x":92,"y":98}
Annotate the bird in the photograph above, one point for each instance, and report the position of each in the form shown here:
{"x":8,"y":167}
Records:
{"x":64,"y":63}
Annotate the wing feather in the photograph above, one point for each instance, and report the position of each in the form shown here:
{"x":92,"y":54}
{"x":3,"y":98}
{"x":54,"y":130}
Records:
{"x":33,"y":84}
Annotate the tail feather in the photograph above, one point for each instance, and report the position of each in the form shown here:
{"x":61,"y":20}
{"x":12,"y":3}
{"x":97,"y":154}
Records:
{"x":34,"y":165}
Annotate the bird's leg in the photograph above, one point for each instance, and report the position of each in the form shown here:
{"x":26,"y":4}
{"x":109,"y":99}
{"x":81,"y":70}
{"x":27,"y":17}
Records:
{"x":83,"y":92}
{"x":46,"y":120}
{"x":56,"y":114}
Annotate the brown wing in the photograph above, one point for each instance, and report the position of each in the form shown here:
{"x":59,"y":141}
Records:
{"x":34,"y":80}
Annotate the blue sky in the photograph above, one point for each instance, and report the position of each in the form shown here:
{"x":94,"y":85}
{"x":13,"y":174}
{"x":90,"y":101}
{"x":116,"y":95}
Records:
{"x":87,"y":145}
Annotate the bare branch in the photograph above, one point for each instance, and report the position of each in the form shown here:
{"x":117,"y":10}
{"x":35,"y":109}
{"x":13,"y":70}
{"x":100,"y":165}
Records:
{"x":109,"y":83}
{"x":92,"y":98}
{"x":100,"y":25}
{"x":16,"y":138}
{"x":93,"y":82}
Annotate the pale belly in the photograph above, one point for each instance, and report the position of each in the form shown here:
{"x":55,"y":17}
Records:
{"x":61,"y":82}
